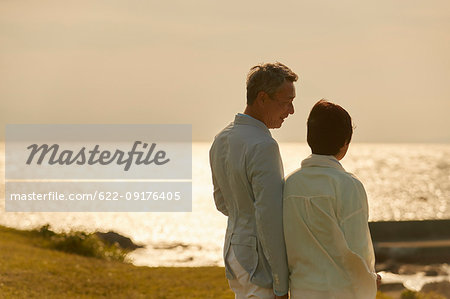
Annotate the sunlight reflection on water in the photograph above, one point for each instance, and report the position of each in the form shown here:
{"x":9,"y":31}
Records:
{"x":403,"y":181}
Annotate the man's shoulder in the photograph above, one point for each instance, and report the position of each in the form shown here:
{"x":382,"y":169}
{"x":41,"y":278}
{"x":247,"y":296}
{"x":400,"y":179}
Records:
{"x":224,"y":131}
{"x":246,"y":135}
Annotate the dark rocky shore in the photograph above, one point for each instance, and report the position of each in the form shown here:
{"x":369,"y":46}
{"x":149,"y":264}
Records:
{"x":415,"y":242}
{"x":115,"y":238}
{"x":408,"y":248}
{"x":402,"y":248}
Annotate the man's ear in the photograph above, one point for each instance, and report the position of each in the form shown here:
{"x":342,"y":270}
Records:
{"x":261,"y":98}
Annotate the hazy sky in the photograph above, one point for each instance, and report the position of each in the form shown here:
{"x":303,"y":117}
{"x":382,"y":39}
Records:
{"x":387,"y":62}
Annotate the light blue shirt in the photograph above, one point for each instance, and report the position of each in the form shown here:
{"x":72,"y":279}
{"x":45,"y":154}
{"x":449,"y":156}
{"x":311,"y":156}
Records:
{"x":328,"y":242}
{"x":248,"y":182}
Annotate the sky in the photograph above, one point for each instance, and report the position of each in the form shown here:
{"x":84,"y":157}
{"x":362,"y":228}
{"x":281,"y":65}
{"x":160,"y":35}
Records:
{"x":141,"y":62}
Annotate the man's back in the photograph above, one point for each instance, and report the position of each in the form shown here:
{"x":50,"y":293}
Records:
{"x":248,"y":183}
{"x":231,"y":153}
{"x":248,"y":180}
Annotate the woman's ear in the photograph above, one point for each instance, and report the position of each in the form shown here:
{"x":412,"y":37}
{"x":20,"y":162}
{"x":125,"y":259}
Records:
{"x":342,"y":151}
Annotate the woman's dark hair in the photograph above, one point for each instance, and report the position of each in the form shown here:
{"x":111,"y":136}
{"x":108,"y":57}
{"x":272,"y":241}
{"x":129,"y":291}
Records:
{"x":329,"y":128}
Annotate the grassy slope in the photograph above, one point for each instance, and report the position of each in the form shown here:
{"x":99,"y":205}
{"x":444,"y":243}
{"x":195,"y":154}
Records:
{"x":30,"y":270}
{"x":27,"y":270}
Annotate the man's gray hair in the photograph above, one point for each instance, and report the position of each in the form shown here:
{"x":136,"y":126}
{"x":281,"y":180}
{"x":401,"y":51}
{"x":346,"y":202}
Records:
{"x":267,"y":77}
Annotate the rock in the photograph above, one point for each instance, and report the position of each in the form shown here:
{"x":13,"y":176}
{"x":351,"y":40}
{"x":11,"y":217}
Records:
{"x":387,"y":266}
{"x":411,"y":254}
{"x":395,"y":231}
{"x":170,"y":246}
{"x":113,"y":237}
{"x":429,"y":270}
{"x":186,"y":260}
{"x":382,"y":255}
{"x":166,"y":246}
{"x":409,"y":269}
{"x":435,"y":270}
{"x":440,"y":287}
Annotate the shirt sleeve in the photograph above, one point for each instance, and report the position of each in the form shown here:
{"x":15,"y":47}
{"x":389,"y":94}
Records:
{"x":355,"y":225}
{"x":265,"y":171}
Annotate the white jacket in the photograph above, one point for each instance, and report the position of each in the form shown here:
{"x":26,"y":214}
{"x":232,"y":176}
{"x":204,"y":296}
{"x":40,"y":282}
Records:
{"x":248,"y":182}
{"x":328,"y":243}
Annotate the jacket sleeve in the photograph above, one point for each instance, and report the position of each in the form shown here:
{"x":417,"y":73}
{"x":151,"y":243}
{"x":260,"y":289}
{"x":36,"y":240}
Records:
{"x":265,"y":171}
{"x":218,"y":197}
{"x":354,"y":225}
{"x":360,"y":257}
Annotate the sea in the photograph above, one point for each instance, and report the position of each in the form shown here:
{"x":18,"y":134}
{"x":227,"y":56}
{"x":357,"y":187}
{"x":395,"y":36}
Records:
{"x":402,"y":181}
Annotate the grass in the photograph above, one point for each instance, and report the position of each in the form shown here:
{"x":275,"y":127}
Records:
{"x":417,"y":295}
{"x":30,"y":267}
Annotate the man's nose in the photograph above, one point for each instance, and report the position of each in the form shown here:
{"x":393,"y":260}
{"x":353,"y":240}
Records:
{"x":291,"y":109}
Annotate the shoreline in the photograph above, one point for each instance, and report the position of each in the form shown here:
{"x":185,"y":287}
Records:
{"x":79,"y":274}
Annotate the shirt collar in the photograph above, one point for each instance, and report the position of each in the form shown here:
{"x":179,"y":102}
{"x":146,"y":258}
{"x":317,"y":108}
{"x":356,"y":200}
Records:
{"x":245,"y":119}
{"x":322,"y":161}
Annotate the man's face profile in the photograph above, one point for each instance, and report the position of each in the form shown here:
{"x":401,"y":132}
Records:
{"x":279,"y":106}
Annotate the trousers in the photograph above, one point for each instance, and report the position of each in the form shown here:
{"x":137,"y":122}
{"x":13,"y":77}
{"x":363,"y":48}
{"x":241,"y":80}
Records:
{"x":242,"y":287}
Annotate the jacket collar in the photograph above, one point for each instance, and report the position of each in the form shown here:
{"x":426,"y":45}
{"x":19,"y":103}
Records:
{"x":244,"y":119}
{"x":322,"y":161}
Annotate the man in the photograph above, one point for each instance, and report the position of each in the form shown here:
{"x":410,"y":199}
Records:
{"x":248,"y":182}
